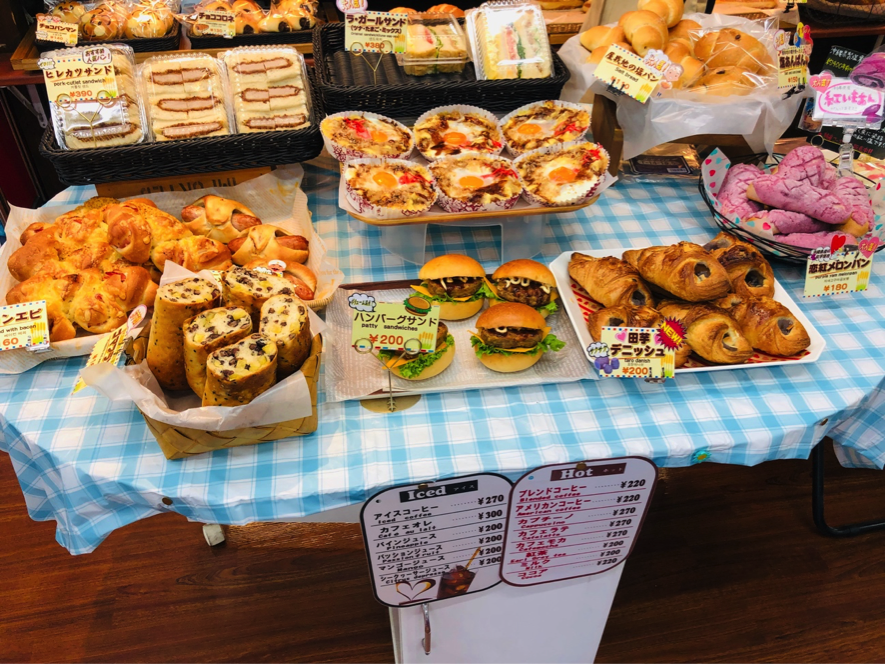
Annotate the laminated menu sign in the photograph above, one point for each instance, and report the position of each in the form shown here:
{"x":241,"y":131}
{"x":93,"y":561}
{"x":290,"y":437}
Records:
{"x":53,"y":29}
{"x":637,"y":352}
{"x":375,"y":32}
{"x":575,"y":519}
{"x":628,"y":73}
{"x":79,"y":75}
{"x":436,"y":540}
{"x":838,"y":269}
{"x":410,"y":326}
{"x":24,"y":325}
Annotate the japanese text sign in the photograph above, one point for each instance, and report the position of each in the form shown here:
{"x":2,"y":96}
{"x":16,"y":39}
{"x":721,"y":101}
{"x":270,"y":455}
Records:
{"x":575,"y":519}
{"x":109,"y":348}
{"x":637,"y":352}
{"x":53,"y":29}
{"x":793,"y":67}
{"x":837,"y":269}
{"x":437,"y":540}
{"x":411,"y":326}
{"x":24,"y":325}
{"x":627,"y":73}
{"x":81,"y":75}
{"x":218,"y":23}
{"x":844,"y":101}
{"x":375,"y":32}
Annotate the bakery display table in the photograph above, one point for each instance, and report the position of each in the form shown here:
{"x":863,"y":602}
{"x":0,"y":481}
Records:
{"x":93,"y":466}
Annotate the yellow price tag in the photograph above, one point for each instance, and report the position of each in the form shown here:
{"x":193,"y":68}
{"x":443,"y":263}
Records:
{"x":793,"y":67}
{"x":628,"y":73}
{"x":835,"y":274}
{"x":82,"y":75}
{"x":109,"y":348}
{"x":409,"y":326}
{"x":24,"y":325}
{"x":53,"y":29}
{"x":637,"y":352}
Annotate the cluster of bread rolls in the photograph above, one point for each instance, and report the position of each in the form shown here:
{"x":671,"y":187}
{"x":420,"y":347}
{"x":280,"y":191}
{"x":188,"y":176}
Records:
{"x":251,"y":19}
{"x":112,"y":19}
{"x":251,"y":243}
{"x":723,"y":62}
{"x":228,"y":344}
{"x":721,"y":293}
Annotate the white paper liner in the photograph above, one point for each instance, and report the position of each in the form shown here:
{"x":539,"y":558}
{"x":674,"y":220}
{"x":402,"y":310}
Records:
{"x":351,"y":375}
{"x":343,"y":154}
{"x":276,"y":198}
{"x":516,"y":152}
{"x":288,"y":400}
{"x":376,"y":211}
{"x":461,"y":108}
{"x":451,"y":204}
{"x":596,"y":187}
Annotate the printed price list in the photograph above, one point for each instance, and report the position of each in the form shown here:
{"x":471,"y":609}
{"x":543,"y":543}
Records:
{"x":573,"y":520}
{"x":428,"y":542}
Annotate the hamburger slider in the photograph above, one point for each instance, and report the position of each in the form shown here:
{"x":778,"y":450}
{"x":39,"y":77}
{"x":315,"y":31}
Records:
{"x":527,"y":282}
{"x":457,"y":283}
{"x":420,"y":366}
{"x":512,"y":337}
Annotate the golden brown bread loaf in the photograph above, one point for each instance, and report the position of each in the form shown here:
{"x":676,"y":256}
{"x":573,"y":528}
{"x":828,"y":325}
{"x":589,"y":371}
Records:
{"x":710,"y":331}
{"x":236,"y":374}
{"x":194,"y":253}
{"x":671,"y":11}
{"x":601,"y":35}
{"x":207,"y":332}
{"x":680,"y":54}
{"x":732,"y":48}
{"x":269,"y":242}
{"x":175,"y":303}
{"x":726,"y":82}
{"x":770,"y":326}
{"x":684,"y":269}
{"x":749,"y":272}
{"x":686,"y":32}
{"x":285,"y":321}
{"x":219,"y":218}
{"x":250,"y":290}
{"x":645,"y":30}
{"x":610,"y":281}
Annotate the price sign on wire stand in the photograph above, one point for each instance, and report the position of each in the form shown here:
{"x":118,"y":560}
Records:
{"x":837,"y":269}
{"x":575,"y":519}
{"x":435,"y":540}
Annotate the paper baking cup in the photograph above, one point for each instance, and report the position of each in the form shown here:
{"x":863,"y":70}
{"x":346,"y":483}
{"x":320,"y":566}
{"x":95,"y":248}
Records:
{"x":344,"y":154}
{"x":455,"y":205}
{"x":515,"y":152}
{"x":364,"y":207}
{"x":462,"y":108}
{"x":593,"y":187}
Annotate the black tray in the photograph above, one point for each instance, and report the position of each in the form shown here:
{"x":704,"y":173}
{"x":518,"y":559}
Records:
{"x":185,"y":157}
{"x":261,"y":39}
{"x":346,"y":82}
{"x":168,"y":43}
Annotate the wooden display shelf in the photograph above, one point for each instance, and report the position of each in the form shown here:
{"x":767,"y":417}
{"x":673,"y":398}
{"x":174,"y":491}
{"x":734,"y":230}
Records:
{"x":26,"y":55}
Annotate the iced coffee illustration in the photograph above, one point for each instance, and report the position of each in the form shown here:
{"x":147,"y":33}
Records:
{"x":456,"y":581}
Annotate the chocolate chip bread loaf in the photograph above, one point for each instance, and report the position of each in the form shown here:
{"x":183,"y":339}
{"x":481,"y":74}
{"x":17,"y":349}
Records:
{"x":237,"y":374}
{"x":284,"y":320}
{"x":207,"y":332}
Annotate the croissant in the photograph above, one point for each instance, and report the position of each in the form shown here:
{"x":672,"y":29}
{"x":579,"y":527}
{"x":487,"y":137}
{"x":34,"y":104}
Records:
{"x":219,"y":218}
{"x":269,"y":242}
{"x":610,"y":281}
{"x":628,"y":316}
{"x":303,"y":280}
{"x":684,"y":269}
{"x":749,"y":273}
{"x":194,"y":253}
{"x":770,"y":326}
{"x":710,"y":331}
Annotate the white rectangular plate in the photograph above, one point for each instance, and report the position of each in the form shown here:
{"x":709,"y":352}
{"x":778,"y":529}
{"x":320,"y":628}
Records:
{"x":352,"y":375}
{"x":566,"y":286}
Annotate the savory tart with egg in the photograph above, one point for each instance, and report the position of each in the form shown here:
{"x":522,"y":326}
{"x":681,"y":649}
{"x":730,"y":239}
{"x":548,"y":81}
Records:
{"x":356,"y":135}
{"x":389,"y":188}
{"x":547,"y":123}
{"x":562,"y":175}
{"x":456,"y":130}
{"x":474,"y":183}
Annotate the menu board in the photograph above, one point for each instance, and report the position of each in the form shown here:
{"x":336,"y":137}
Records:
{"x":435,"y":540}
{"x":571,"y":520}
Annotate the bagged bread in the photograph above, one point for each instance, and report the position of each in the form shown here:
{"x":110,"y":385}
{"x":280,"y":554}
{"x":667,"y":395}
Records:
{"x":284,"y":320}
{"x":207,"y":332}
{"x":236,"y":374}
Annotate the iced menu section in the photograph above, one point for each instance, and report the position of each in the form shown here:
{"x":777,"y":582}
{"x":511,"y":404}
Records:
{"x":436,"y":540}
{"x":572,"y":520}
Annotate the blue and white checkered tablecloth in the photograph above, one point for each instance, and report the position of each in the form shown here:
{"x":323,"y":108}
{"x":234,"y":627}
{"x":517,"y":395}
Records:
{"x":93,"y":466}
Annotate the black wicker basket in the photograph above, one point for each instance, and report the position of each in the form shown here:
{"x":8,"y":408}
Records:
{"x":260,"y":39}
{"x":168,"y":43}
{"x":347,"y":83}
{"x":773,"y":248}
{"x":185,"y":157}
{"x":837,"y":12}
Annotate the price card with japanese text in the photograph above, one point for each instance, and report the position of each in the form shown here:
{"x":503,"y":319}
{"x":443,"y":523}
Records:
{"x":217,"y":23}
{"x":80,"y":75}
{"x":410,"y":326}
{"x":53,"y":29}
{"x":575,"y":519}
{"x":109,"y":348}
{"x":838,"y":269}
{"x":375,"y":32}
{"x":24,"y":325}
{"x":793,"y":67}
{"x":637,"y":352}
{"x":436,"y":540}
{"x":628,"y":73}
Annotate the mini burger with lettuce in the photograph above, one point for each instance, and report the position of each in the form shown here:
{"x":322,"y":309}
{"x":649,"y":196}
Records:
{"x":420,"y":366}
{"x":512,"y":337}
{"x":527,"y":282}
{"x":457,"y":283}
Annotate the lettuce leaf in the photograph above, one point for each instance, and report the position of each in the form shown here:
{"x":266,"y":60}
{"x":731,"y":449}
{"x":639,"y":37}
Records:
{"x":482,"y":292}
{"x":551,"y":307}
{"x":550,"y":342}
{"x":414,"y":367}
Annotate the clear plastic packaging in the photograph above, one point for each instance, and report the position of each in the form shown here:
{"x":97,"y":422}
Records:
{"x":101,"y":123}
{"x":251,"y":19}
{"x":115,"y":19}
{"x":185,"y":96}
{"x":509,"y":40}
{"x":269,"y":88}
{"x":435,"y":44}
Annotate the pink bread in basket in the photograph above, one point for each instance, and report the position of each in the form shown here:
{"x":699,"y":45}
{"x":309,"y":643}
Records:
{"x":807,"y":164}
{"x":733,"y":194}
{"x":795,"y":196}
{"x":783,"y":221}
{"x":855,"y":195}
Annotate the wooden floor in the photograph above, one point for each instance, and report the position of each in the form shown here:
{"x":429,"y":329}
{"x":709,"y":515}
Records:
{"x":728,"y":568}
